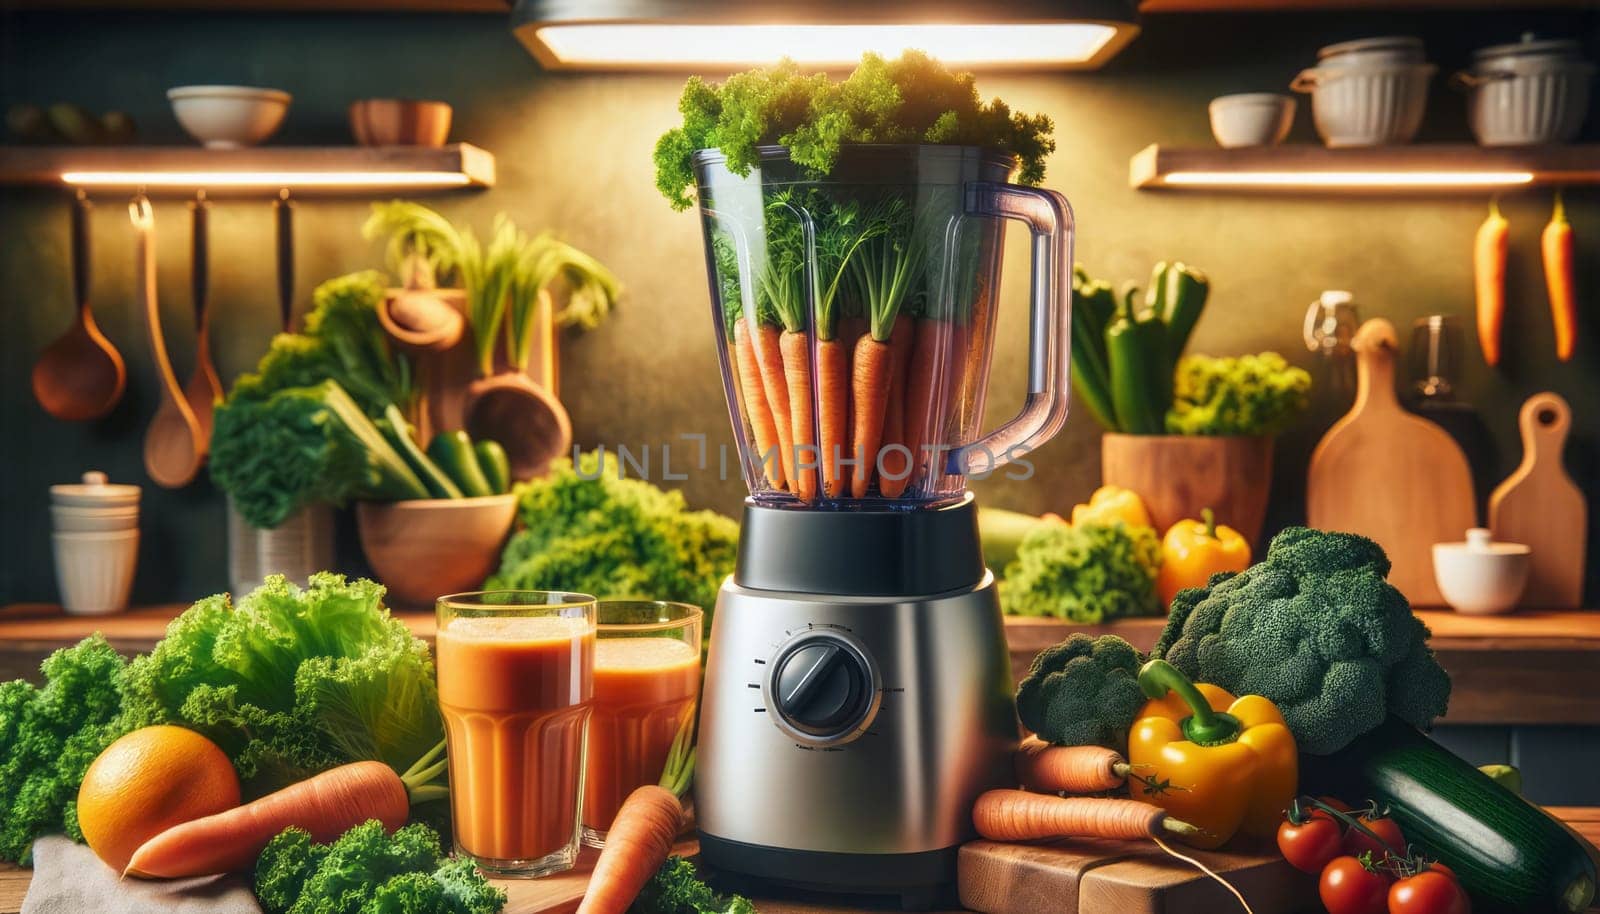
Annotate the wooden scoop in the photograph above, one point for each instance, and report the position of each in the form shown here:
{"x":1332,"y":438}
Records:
{"x":420,"y":316}
{"x":529,"y":423}
{"x":173,"y":449}
{"x":204,"y":389}
{"x":80,"y":376}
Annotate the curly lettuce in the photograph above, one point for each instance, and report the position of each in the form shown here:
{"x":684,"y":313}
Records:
{"x":293,"y":681}
{"x":1243,"y":395}
{"x":1084,"y":573}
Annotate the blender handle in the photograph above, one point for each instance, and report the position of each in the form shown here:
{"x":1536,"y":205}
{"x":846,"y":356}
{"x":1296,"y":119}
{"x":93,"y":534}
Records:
{"x":1048,"y":216}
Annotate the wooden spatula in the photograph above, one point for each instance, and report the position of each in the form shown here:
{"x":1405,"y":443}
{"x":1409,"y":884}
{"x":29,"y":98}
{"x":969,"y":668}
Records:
{"x":1387,"y":474}
{"x":1541,"y":507}
{"x":203,"y":389}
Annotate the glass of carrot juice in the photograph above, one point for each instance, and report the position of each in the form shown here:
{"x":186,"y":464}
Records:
{"x":516,"y":688}
{"x":646,"y":681}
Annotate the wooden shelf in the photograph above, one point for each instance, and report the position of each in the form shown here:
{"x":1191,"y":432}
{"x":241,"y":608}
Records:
{"x":302,"y":169}
{"x":1304,"y":168}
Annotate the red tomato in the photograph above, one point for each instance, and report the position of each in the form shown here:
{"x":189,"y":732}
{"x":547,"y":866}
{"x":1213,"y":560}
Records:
{"x":1355,"y":842}
{"x":1348,"y":887}
{"x":1434,"y":891}
{"x":1311,"y":846}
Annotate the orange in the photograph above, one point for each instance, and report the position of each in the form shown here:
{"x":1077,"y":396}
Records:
{"x":147,"y":782}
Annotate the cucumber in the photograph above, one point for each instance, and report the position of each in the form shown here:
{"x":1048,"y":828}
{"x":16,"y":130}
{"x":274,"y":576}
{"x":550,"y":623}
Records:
{"x":399,"y":435}
{"x":1509,"y":855}
{"x":452,"y":451}
{"x":494,"y":463}
{"x":1001,"y":533}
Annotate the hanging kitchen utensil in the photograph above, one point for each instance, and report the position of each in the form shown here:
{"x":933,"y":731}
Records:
{"x":80,"y":375}
{"x":283,"y":217}
{"x":1389,"y":475}
{"x":172,"y":444}
{"x":1539,"y":505}
{"x":204,"y":389}
{"x":419,"y":315}
{"x":524,"y":416}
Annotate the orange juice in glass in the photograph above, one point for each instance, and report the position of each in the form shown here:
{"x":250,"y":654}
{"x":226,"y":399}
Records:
{"x":516,"y":687}
{"x":646,"y":681}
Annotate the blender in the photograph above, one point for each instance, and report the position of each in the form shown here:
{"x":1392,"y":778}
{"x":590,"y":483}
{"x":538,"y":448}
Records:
{"x":858,"y":690}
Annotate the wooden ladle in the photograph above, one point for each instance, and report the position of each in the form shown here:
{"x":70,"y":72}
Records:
{"x":81,"y":375}
{"x":420,"y":316}
{"x":525,"y":416}
{"x":173,"y":448}
{"x":204,"y":389}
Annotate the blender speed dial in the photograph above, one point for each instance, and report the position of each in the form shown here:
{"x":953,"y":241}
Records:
{"x":823,"y":689}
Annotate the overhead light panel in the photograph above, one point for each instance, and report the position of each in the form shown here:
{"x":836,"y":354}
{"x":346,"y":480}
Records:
{"x":722,"y":36}
{"x":1395,"y":169}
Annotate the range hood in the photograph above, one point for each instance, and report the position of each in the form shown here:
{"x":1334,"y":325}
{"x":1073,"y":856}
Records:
{"x":726,"y":35}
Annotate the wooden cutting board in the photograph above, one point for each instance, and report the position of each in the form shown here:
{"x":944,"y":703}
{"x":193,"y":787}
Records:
{"x":1387,"y":474}
{"x":1541,"y":507}
{"x":1094,"y":876}
{"x":560,"y":893}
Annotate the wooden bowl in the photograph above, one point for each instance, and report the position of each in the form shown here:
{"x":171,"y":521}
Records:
{"x":399,"y":122}
{"x":426,"y":548}
{"x":529,"y":423}
{"x":1179,"y":475}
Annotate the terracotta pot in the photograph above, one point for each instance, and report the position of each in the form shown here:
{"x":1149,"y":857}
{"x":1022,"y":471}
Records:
{"x":426,"y":548}
{"x":1178,"y":475}
{"x":399,"y":122}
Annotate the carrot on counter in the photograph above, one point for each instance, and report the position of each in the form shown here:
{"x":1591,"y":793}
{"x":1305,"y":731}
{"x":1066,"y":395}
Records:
{"x":1069,"y":769}
{"x":327,"y":805}
{"x":1017,"y":815}
{"x":756,"y":405}
{"x":1555,"y":243}
{"x":776,"y":385}
{"x":1489,"y":280}
{"x":796,"y":353}
{"x":897,"y":464}
{"x":639,"y":841}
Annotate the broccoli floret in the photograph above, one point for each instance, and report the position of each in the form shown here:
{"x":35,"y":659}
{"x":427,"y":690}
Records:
{"x":1247,"y":395}
{"x":367,"y":871}
{"x":1317,"y":629}
{"x":1083,"y":692}
{"x":1084,"y":573}
{"x":677,"y":889}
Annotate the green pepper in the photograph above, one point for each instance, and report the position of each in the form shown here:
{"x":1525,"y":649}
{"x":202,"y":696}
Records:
{"x":1141,"y":386}
{"x":453,"y":452}
{"x":1091,"y":309}
{"x":495,"y":465}
{"x":1182,"y":302}
{"x":398,"y":431}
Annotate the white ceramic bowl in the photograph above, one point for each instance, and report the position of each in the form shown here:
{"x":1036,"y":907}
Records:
{"x":1367,"y":106}
{"x":94,"y":571}
{"x":1479,"y":577}
{"x":1251,"y":119}
{"x":71,"y":519}
{"x":228,"y":117}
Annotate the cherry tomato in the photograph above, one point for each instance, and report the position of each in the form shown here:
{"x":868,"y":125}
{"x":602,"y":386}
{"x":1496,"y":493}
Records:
{"x":1433,"y":891}
{"x":1311,"y":846}
{"x":1348,"y":887}
{"x":1355,"y":842}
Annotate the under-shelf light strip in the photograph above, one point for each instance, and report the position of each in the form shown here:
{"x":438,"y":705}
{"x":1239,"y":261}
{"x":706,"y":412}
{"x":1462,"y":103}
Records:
{"x":1396,"y":179}
{"x":266,"y":179}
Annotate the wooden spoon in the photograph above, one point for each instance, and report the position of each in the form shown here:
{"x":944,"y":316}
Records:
{"x":204,"y":389}
{"x":529,"y":423}
{"x":80,"y":376}
{"x":420,"y":316}
{"x":172,"y":443}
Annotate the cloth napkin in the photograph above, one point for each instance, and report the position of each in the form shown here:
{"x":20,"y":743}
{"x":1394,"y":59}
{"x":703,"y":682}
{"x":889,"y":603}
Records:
{"x":69,"y":879}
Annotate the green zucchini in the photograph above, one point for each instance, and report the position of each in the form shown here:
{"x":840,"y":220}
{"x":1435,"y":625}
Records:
{"x":452,"y":451}
{"x":1510,"y":855}
{"x":494,"y":463}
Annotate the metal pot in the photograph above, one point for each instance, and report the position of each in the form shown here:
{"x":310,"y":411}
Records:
{"x":297,"y":548}
{"x":1527,"y":93}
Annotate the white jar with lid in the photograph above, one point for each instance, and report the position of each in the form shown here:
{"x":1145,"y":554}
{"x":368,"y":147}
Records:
{"x":1527,"y":93}
{"x":95,"y":543}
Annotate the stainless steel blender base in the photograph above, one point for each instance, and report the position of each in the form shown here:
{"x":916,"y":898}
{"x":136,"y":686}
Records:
{"x":843,"y":740}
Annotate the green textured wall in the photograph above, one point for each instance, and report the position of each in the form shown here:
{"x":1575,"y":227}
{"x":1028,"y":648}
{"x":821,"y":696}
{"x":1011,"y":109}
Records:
{"x":574,"y":155}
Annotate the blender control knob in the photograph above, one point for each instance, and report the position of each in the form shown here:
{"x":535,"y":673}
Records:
{"x":822,"y":688}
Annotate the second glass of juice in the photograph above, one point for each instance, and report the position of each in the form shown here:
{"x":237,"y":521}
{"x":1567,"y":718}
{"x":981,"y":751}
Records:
{"x":646,"y":681}
{"x":516,"y":687}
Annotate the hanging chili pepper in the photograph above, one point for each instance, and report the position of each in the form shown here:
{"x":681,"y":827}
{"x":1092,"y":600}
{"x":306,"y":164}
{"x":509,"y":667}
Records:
{"x":1489,"y":280}
{"x":1556,"y":245}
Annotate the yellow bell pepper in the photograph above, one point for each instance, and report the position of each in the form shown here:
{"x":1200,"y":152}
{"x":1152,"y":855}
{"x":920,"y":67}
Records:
{"x":1221,"y":764}
{"x":1194,"y":550}
{"x":1110,"y":504}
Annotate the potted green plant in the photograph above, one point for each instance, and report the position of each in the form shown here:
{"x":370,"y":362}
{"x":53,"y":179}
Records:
{"x":1185,"y":432}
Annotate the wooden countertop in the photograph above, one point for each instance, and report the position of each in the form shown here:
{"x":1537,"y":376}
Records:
{"x":14,"y":880}
{"x":1526,"y":668}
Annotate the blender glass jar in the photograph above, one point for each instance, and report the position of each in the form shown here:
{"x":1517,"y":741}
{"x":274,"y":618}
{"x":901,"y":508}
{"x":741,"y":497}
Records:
{"x":855,"y":319}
